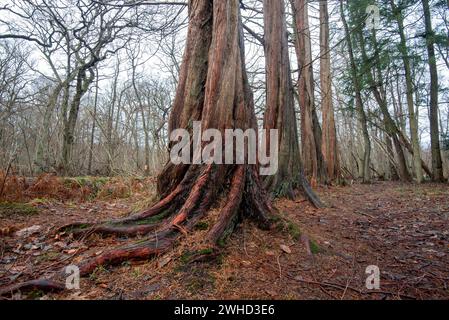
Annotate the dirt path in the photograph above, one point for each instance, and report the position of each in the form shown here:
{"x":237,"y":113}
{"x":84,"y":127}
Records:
{"x":402,"y":229}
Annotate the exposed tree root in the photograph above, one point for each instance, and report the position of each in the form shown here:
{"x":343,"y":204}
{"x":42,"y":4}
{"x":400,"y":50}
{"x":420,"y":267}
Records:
{"x":138,"y":251}
{"x":309,"y":193}
{"x":287,"y":186}
{"x":177,"y":214}
{"x":41,"y":284}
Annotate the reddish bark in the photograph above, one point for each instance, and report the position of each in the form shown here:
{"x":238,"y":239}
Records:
{"x":329,"y":140}
{"x":280,"y":111}
{"x":218,"y":95}
{"x":311,"y":142}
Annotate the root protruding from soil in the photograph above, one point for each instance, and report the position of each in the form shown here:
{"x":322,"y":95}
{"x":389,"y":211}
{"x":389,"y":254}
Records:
{"x":161,"y":226}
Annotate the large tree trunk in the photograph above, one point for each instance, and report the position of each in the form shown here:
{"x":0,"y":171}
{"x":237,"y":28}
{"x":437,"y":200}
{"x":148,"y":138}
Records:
{"x":312,"y":155}
{"x":437,"y":164}
{"x":213,"y":89}
{"x":329,"y":140}
{"x":280,"y":111}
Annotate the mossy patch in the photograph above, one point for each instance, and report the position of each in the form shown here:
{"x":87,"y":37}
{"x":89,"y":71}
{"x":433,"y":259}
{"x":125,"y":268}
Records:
{"x":92,"y":182}
{"x":206,"y":251}
{"x":78,"y":228}
{"x":154,"y":219}
{"x":48,"y":256}
{"x":314,"y":247}
{"x":275,"y":218}
{"x":11,"y":208}
{"x":35,"y":294}
{"x":285,"y":225}
{"x":200,"y":280}
{"x":40,"y":202}
{"x":294,"y":230}
{"x":188,"y":256}
{"x":95,"y":275}
{"x":282,"y":190}
{"x":202,"y":226}
{"x":221,"y":242}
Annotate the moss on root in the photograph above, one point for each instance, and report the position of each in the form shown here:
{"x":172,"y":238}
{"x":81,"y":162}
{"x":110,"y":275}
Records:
{"x":202,"y":226}
{"x":283,"y":190}
{"x":188,"y":256}
{"x":155,"y":219}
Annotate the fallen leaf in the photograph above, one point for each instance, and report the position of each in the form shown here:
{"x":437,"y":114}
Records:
{"x":285,"y":248}
{"x":28,"y":231}
{"x":163,"y":262}
{"x":60,"y":244}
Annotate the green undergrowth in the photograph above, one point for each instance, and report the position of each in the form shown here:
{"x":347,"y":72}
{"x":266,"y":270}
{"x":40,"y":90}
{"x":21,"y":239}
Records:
{"x":284,"y":225}
{"x":8,"y":209}
{"x":189,"y":256}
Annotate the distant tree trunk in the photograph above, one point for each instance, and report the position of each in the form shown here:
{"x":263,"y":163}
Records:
{"x":329,"y":140}
{"x":136,"y":140}
{"x":280,"y":111}
{"x":380,"y":97}
{"x":401,"y":126}
{"x":397,"y":103}
{"x":94,"y":122}
{"x":146,"y":142}
{"x":82,"y":85}
{"x":110,"y":140}
{"x":394,"y":172}
{"x":313,"y":160}
{"x":437,"y":164}
{"x":358,"y":100}
{"x":146,"y":130}
{"x":410,"y":89}
{"x":42,"y":143}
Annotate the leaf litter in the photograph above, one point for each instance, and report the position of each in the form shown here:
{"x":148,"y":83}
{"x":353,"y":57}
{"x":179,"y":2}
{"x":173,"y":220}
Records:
{"x":317,"y":254}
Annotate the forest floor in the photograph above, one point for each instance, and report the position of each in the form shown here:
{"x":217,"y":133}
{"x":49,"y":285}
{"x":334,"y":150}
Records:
{"x":321,"y":254}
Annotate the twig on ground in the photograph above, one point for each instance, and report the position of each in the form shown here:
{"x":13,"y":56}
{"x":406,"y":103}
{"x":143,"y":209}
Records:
{"x":341,"y":287}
